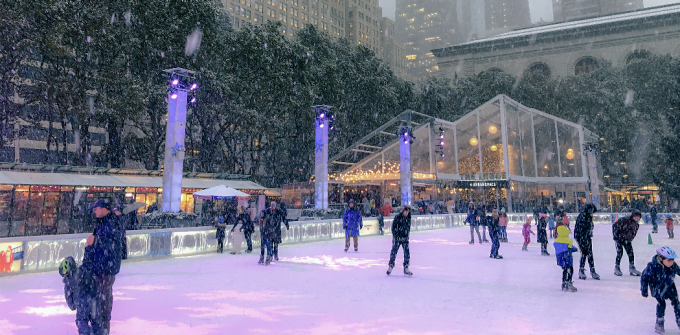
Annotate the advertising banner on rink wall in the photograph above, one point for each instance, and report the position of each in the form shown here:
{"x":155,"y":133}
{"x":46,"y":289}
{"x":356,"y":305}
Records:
{"x":11,"y":255}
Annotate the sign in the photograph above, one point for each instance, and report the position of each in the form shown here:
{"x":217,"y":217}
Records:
{"x":482,"y":184}
{"x":11,"y":255}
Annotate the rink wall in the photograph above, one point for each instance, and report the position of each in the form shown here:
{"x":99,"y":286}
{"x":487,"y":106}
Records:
{"x":44,"y":253}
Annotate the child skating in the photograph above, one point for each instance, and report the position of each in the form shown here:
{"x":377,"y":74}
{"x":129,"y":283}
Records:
{"x":551,"y":225}
{"x":80,"y":291}
{"x":542,"y":236}
{"x":658,"y":277}
{"x":669,"y":226}
{"x":564,"y":247}
{"x":526,"y":232}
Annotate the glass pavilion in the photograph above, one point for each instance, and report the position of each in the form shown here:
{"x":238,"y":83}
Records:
{"x":502,"y":154}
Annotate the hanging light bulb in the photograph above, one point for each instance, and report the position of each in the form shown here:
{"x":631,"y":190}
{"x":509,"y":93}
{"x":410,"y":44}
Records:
{"x":493,"y":129}
{"x":173,"y":96}
{"x":494,"y":148}
{"x":474,"y":141}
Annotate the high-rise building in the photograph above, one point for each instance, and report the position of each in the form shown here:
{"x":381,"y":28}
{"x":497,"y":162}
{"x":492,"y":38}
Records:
{"x":570,"y":10}
{"x":424,"y":25}
{"x":359,"y":21}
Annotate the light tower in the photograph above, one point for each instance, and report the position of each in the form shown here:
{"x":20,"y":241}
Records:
{"x":322,"y":123}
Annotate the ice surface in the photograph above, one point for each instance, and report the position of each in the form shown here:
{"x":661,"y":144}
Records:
{"x":317,"y":288}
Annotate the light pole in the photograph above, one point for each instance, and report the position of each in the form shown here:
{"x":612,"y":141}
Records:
{"x":322,"y":124}
{"x":590,"y":150}
{"x":181,"y":85}
{"x":405,"y":139}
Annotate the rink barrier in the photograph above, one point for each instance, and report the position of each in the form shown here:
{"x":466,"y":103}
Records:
{"x":44,"y":253}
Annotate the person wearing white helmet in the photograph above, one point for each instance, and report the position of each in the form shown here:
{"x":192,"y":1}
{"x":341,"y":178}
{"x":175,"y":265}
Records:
{"x":658,"y":277}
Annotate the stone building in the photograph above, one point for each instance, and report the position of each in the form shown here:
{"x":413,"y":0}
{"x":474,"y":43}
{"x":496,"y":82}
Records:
{"x":568,"y":48}
{"x":570,"y":10}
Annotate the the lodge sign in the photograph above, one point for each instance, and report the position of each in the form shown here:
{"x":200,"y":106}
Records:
{"x":478,"y":184}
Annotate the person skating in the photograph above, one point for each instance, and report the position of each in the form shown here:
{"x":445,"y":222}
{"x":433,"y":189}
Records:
{"x":669,"y":226}
{"x":624,"y":231}
{"x":481,"y":217}
{"x":658,"y":277}
{"x":280,"y":216}
{"x":526,"y":232}
{"x":80,"y":292}
{"x":220,"y":234}
{"x":563,"y":251}
{"x":401,"y":228}
{"x":583,"y":233}
{"x":551,"y":226}
{"x":122,"y":226}
{"x":352,"y":223}
{"x":237,"y":235}
{"x":542,"y":236}
{"x":473,"y":221}
{"x":653,"y":213}
{"x":268,"y":220}
{"x":102,"y":258}
{"x":385,"y":211}
{"x":503,"y":223}
{"x":494,"y":234}
{"x":248,"y":227}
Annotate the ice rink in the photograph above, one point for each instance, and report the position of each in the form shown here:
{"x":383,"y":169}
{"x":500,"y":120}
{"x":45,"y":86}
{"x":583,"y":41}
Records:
{"x":317,"y":288}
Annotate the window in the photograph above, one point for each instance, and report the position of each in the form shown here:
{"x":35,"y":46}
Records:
{"x":248,"y":14}
{"x":305,"y":16}
{"x":259,"y":7}
{"x":585,"y":65}
{"x":271,"y":2}
{"x":237,"y":9}
{"x":295,"y":11}
{"x":294,"y":22}
{"x":324,"y":26}
{"x":259,"y":18}
{"x":294,"y":2}
{"x":541,"y":69}
{"x":305,"y":6}
{"x":283,"y":7}
{"x":282,"y":17}
{"x":271,"y":13}
{"x":315,"y":21}
{"x":637,"y":54}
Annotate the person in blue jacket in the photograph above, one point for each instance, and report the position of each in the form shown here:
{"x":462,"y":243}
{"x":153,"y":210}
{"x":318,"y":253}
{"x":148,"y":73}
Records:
{"x":658,"y":277}
{"x":352,"y":223}
{"x":103,"y":256}
{"x":564,"y":247}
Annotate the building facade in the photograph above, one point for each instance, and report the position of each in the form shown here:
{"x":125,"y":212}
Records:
{"x":359,"y":21}
{"x":428,"y":24}
{"x":568,"y":48}
{"x":570,"y":10}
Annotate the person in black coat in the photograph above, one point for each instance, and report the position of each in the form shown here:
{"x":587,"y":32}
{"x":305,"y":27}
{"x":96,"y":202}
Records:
{"x":122,"y":225}
{"x":221,"y":233}
{"x":658,"y":277}
{"x":481,"y":214}
{"x":247,"y":227}
{"x":281,"y":216}
{"x":401,"y":228}
{"x":542,"y":235}
{"x":494,"y":231}
{"x":583,"y":233}
{"x":653,"y":213}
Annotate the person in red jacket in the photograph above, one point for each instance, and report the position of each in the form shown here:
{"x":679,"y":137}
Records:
{"x":384,"y":211}
{"x":669,"y":226}
{"x":624,"y":231}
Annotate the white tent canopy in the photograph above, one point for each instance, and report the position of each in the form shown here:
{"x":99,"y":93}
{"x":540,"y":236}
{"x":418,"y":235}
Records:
{"x":220,"y":192}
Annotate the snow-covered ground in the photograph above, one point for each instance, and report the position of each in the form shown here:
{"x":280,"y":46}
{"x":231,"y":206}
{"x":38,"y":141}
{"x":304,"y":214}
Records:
{"x":317,"y":288}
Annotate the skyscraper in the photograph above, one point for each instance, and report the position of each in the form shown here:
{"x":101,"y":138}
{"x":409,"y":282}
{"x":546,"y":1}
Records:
{"x":569,"y":10}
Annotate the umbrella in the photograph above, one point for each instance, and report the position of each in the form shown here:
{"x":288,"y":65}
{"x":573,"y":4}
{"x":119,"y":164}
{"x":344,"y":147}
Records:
{"x":220,"y":192}
{"x":133,"y":207}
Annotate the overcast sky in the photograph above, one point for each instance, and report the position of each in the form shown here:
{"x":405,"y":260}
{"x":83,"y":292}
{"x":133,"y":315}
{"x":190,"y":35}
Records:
{"x":540,"y":9}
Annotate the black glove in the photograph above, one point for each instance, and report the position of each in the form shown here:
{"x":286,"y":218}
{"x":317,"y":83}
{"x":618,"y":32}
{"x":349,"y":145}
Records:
{"x":344,"y":227}
{"x":361,"y":227}
{"x":645,"y":293}
{"x":287,"y":228}
{"x":241,"y":229}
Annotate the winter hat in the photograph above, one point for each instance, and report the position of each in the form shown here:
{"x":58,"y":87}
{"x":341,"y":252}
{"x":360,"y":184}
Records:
{"x":563,"y":236}
{"x":272,"y":204}
{"x":543,"y":215}
{"x":220,"y":219}
{"x":351,"y":201}
{"x":103,"y":203}
{"x":503,"y":210}
{"x":528,"y":221}
{"x":668,"y":216}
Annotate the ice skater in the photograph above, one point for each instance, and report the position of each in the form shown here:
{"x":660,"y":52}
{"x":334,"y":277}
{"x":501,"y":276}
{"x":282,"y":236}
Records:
{"x":385,"y":211}
{"x":583,"y":233}
{"x":352,"y":223}
{"x":659,"y":277}
{"x":248,"y":227}
{"x":653,"y":213}
{"x":401,"y":228}
{"x":542,"y":236}
{"x":481,"y":217}
{"x":268,"y":225}
{"x":80,"y":291}
{"x":237,"y":235}
{"x":669,"y":226}
{"x":473,"y":220}
{"x":526,"y":232}
{"x":503,"y":223}
{"x":221,"y":234}
{"x":551,"y":225}
{"x":494,"y":234}
{"x":624,"y":230}
{"x":564,"y":247}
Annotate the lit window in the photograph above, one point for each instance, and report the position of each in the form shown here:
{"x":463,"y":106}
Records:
{"x":411,"y":57}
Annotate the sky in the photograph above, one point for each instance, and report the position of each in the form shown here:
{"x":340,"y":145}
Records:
{"x":540,"y":9}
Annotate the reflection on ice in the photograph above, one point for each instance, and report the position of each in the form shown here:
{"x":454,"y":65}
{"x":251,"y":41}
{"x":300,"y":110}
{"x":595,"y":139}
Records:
{"x":8,"y":327}
{"x":48,"y":310}
{"x":336,"y":263}
{"x":269,"y":314}
{"x":247,"y":296}
{"x":46,"y":290}
{"x":145,"y":287}
{"x":139,"y":326}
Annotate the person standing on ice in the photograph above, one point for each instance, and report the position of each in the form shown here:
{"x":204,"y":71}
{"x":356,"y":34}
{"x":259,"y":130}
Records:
{"x":542,"y":236}
{"x":281,"y":218}
{"x":624,"y":230}
{"x":583,"y":233}
{"x":102,"y":258}
{"x":564,"y":247}
{"x":494,"y":234}
{"x":659,"y":276}
{"x":482,"y":221}
{"x":248,"y":227}
{"x":473,"y":221}
{"x":352,"y":223}
{"x":237,"y":232}
{"x":669,"y":226}
{"x":122,"y":225}
{"x":401,"y":228}
{"x":503,"y":223}
{"x":267,"y":233}
{"x":653,"y":213}
{"x":526,"y":232}
{"x":385,"y":210}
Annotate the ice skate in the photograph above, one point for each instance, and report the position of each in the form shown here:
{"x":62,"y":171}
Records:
{"x":261,"y":260}
{"x":617,"y":271}
{"x":594,"y":274}
{"x":485,"y":240}
{"x":524,"y":248}
{"x":570,"y":287}
{"x":498,"y":257}
{"x":545,"y":253}
{"x":634,"y":272}
{"x":472,"y":242}
{"x":389,"y":270}
{"x":564,"y":287}
{"x":269,"y":260}
{"x":407,"y":272}
{"x":276,"y":258}
{"x":356,"y":249}
{"x":659,"y":326}
{"x":346,"y":249}
{"x":582,"y":274}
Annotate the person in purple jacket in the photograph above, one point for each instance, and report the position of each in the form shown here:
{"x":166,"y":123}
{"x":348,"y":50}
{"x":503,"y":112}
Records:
{"x":352,"y":223}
